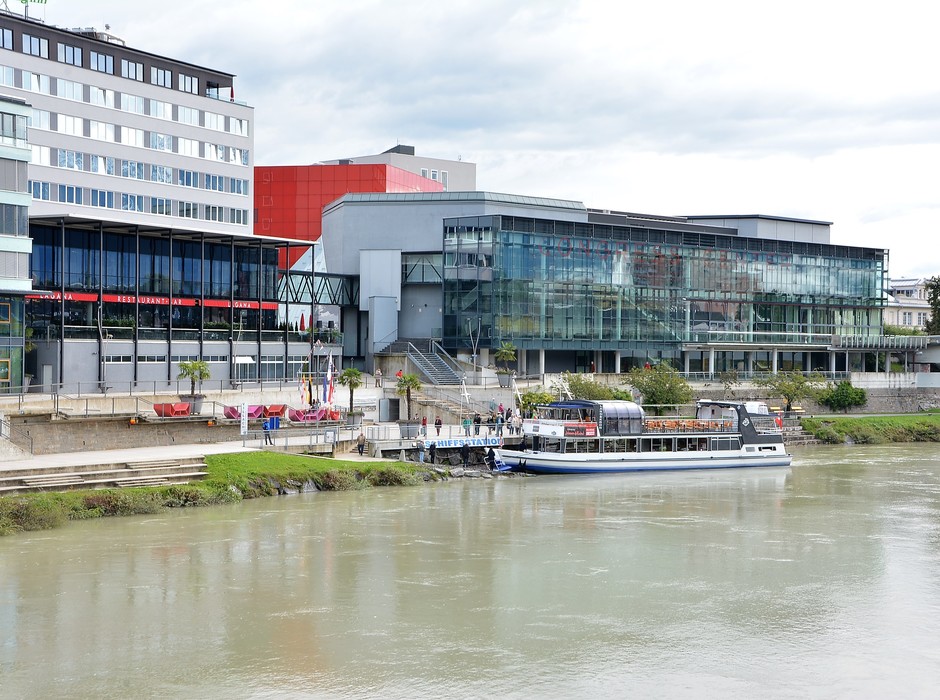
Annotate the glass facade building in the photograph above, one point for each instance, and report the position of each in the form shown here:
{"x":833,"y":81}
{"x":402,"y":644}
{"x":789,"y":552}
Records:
{"x":699,"y":297}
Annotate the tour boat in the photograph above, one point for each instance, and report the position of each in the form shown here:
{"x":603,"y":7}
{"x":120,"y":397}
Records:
{"x":584,"y":437}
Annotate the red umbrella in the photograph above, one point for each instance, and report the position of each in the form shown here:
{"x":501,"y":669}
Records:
{"x":302,"y":328}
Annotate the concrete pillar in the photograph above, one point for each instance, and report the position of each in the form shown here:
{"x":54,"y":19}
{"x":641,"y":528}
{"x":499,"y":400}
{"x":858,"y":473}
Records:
{"x":832,"y":361}
{"x":711,"y":362}
{"x":617,"y":358}
{"x":541,"y":362}
{"x":773,"y":360}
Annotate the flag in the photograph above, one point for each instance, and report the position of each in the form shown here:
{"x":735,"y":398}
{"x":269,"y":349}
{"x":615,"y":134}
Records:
{"x":326,"y":375}
{"x":331,"y":370}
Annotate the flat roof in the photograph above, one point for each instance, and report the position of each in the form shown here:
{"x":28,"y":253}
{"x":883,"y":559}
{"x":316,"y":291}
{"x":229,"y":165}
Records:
{"x":496,"y":197}
{"x":759,"y":216}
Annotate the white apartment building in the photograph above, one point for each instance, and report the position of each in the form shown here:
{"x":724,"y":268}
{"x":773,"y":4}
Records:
{"x":908,"y":306}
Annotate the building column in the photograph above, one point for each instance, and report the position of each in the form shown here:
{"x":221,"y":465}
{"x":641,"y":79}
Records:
{"x":686,"y":363}
{"x":832,"y":362}
{"x":617,"y":357}
{"x":542,"y":362}
{"x":711,"y":362}
{"x":773,"y":361}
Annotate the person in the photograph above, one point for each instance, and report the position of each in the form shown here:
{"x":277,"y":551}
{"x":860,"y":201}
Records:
{"x":378,"y":377}
{"x":466,"y":426}
{"x":592,"y":367}
{"x":399,"y":374}
{"x":647,"y":366}
{"x":477,"y":422}
{"x":432,"y":452}
{"x":438,"y":424}
{"x":424,"y":425}
{"x":266,"y":427}
{"x":361,"y":443}
{"x":465,"y":454}
{"x":421,"y":451}
{"x":491,"y":458}
{"x":517,"y":423}
{"x":500,"y":409}
{"x":499,"y":424}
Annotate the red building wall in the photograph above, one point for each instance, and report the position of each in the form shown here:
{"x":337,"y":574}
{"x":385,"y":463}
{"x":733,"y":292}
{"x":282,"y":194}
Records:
{"x":289,"y":199}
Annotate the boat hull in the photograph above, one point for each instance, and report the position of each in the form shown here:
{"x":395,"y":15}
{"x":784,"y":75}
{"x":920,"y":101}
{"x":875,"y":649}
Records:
{"x":553,"y":463}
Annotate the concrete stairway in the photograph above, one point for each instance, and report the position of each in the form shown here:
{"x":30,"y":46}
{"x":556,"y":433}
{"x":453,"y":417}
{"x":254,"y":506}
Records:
{"x":434,"y":368}
{"x":128,"y":474}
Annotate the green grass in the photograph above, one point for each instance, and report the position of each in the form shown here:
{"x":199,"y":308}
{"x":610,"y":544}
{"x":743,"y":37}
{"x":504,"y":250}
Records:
{"x":875,"y":430}
{"x":230,"y":478}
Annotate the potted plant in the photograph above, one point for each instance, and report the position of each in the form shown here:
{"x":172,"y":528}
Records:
{"x":352,"y":378}
{"x":505,"y":353}
{"x":406,"y":384}
{"x":194,"y":371}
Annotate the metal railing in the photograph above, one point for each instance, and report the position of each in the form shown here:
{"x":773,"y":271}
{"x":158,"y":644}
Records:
{"x":23,"y":438}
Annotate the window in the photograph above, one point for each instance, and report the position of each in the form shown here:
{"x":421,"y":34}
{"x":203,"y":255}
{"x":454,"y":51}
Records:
{"x":102,"y":165}
{"x":240,"y":216}
{"x":69,"y":89}
{"x":132,"y":202}
{"x":215,"y":182}
{"x":132,"y":137}
{"x":238,"y":186}
{"x":161,"y":76}
{"x":132,"y":103}
{"x":40,"y":119}
{"x":71,"y":159}
{"x":244,"y":156}
{"x":40,"y":190}
{"x":161,"y":173}
{"x":444,"y":178}
{"x":907,"y":318}
{"x":6,"y":39}
{"x":70,"y":54}
{"x":187,"y":147}
{"x":101,"y":62}
{"x":132,"y":169}
{"x":215,"y":151}
{"x":36,"y":82}
{"x":187,"y":115}
{"x":101,"y":131}
{"x":7,"y":76}
{"x":189,"y":83}
{"x":70,"y":194}
{"x":41,"y":155}
{"x":35,"y":46}
{"x":132,"y":70}
{"x":215,"y":121}
{"x":239,"y":127}
{"x":102,"y":198}
{"x":424,"y":172}
{"x":65,"y":124}
{"x":188,"y":210}
{"x":921,"y":318}
{"x":161,"y":110}
{"x":189,"y":178}
{"x":161,"y":142}
{"x":100,"y":96}
{"x":213,"y":213}
{"x":159,"y":205}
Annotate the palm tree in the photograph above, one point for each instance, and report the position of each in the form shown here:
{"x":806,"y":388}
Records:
{"x":505,"y":353}
{"x":406,"y":384}
{"x":194,"y":371}
{"x":352,"y":378}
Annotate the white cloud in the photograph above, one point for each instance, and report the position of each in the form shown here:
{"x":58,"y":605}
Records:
{"x":822,"y":110}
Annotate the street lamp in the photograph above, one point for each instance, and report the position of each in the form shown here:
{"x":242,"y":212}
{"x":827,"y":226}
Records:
{"x":474,"y":341}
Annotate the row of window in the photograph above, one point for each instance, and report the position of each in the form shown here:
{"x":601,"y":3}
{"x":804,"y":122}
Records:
{"x":137,"y":170}
{"x":907,"y":318}
{"x":437,"y":176}
{"x":121,"y":359}
{"x":107,"y":199}
{"x":125,"y":102}
{"x":99,"y":61}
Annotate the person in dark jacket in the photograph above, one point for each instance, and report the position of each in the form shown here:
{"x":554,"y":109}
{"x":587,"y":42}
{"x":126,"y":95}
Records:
{"x":465,"y":454}
{"x":432,"y":452}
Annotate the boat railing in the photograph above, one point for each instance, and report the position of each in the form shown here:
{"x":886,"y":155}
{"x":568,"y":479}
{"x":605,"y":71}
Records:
{"x":688,"y":425}
{"x":766,"y":425}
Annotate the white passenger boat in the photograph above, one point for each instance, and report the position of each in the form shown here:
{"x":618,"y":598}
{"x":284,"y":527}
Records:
{"x":581,"y":437}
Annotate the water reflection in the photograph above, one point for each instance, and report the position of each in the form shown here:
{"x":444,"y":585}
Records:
{"x":732,"y":582}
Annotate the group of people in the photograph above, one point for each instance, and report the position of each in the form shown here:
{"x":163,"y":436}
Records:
{"x":496,"y":422}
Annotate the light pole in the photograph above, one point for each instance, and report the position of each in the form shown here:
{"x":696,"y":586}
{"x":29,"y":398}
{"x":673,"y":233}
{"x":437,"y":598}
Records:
{"x":474,"y":341}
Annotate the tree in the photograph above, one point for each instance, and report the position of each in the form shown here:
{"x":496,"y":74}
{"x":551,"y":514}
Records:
{"x":406,"y":384}
{"x":581,"y":387}
{"x":933,"y":298}
{"x":729,"y":380}
{"x":534,"y":397}
{"x":352,"y":378}
{"x":661,"y":387}
{"x":194,"y":371}
{"x":792,"y":386}
{"x":505,"y":353}
{"x":843,"y":396}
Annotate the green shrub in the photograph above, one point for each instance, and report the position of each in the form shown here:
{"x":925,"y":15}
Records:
{"x":392,"y":476}
{"x":34,"y":513}
{"x":337,"y":480}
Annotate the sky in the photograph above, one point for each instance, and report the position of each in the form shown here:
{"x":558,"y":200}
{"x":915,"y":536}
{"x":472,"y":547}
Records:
{"x":826,"y":110}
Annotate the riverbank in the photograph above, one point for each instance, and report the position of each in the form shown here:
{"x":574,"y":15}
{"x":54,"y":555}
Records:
{"x":231,"y":478}
{"x":874,"y":430}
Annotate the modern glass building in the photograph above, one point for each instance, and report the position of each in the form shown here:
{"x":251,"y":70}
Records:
{"x":618,"y":295}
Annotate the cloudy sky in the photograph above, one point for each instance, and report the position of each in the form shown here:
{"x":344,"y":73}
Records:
{"x":826,"y":110}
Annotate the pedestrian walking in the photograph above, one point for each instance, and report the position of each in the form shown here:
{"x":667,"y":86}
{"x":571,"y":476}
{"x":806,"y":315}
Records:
{"x":378,"y":377}
{"x":432,"y":452}
{"x":499,"y":424}
{"x":361,"y":443}
{"x":438,"y":424}
{"x":399,"y":374}
{"x":424,"y":425}
{"x":465,"y":454}
{"x":466,"y":426}
{"x":266,"y":428}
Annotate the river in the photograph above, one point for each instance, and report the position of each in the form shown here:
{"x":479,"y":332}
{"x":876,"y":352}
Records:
{"x":819,"y":581}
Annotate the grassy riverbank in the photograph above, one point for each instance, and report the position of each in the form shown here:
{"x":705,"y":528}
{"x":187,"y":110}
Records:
{"x":875,"y":430}
{"x":231,"y":477}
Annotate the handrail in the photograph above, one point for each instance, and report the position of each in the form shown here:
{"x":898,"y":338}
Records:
{"x":7,"y":431}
